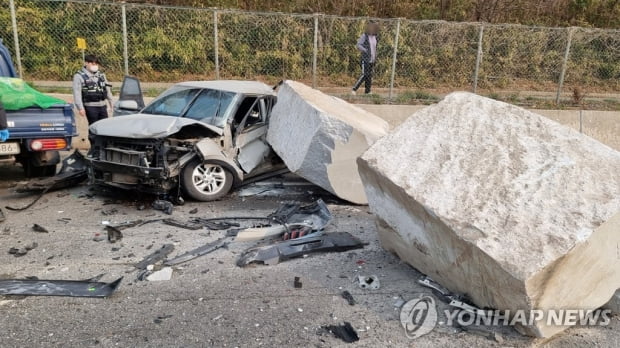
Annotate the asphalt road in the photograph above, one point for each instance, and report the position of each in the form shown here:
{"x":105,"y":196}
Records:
{"x":209,"y":301}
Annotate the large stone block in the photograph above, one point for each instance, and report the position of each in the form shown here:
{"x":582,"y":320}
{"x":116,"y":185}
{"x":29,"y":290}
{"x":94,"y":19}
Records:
{"x":320,"y":137}
{"x":499,"y":203}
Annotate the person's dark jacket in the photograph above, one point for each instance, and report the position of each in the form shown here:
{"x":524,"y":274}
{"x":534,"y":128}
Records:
{"x":3,"y":121}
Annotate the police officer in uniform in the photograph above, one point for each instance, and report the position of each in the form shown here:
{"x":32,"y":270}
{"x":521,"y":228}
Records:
{"x":91,"y":91}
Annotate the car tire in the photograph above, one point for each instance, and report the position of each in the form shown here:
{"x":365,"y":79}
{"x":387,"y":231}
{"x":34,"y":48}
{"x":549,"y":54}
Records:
{"x":206,"y":181}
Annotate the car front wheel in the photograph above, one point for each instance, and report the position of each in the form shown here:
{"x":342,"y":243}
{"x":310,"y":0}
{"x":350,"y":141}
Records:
{"x":206,"y":181}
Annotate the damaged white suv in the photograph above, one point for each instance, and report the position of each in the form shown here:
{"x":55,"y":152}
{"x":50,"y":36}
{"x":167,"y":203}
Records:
{"x":201,"y":137}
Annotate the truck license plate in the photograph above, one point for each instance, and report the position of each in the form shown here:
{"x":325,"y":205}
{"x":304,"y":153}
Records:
{"x":9,"y":148}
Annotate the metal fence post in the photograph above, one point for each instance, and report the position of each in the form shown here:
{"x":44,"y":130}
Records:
{"x":18,"y":56}
{"x":394,"y":57}
{"x":478,"y":57}
{"x":564,"y":64}
{"x":216,"y":46}
{"x":125,"y":48}
{"x":315,"y":50}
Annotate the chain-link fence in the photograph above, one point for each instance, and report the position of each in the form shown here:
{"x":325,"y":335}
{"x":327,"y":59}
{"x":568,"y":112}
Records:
{"x":167,"y":44}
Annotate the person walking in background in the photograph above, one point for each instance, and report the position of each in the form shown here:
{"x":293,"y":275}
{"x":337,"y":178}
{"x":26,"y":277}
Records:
{"x":91,"y":91}
{"x":4,"y":127}
{"x":367,"y":45}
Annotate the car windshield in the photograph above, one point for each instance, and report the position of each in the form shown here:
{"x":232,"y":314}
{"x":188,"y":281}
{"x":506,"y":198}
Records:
{"x":173,"y":102}
{"x":212,"y":107}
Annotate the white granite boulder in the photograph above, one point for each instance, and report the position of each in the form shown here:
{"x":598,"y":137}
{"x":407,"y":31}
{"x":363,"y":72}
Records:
{"x":320,"y":137}
{"x":497,"y":202}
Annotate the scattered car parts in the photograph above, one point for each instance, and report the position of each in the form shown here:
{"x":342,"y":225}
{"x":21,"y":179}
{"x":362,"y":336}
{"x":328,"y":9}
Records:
{"x":258,"y":233}
{"x":39,"y":228}
{"x":155,"y":257}
{"x":71,"y":288}
{"x":345,"y":332}
{"x":282,"y":251}
{"x":347,"y":296}
{"x":181,"y":224}
{"x":369,"y":282}
{"x":294,"y":221}
{"x":297,"y":284}
{"x":454,"y":300}
{"x":114,"y":234}
{"x":163,"y":205}
{"x":200,"y":251}
{"x":72,"y":173}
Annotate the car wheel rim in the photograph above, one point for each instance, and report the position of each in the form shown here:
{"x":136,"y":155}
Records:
{"x":209,"y":178}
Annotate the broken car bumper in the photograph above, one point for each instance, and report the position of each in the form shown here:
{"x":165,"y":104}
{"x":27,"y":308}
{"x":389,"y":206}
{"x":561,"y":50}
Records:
{"x":129,"y":176}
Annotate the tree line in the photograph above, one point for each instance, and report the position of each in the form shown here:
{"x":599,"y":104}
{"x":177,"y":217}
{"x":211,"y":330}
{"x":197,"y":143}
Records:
{"x":584,"y":13}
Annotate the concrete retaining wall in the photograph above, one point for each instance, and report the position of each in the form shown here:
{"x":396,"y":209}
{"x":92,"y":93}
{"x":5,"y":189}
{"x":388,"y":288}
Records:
{"x":603,"y":126}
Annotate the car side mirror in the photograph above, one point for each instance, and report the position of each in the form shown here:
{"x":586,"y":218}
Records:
{"x":128,"y":105}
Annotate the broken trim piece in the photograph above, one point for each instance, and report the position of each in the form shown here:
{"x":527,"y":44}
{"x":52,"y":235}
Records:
{"x":155,"y":257}
{"x":258,"y":233}
{"x":71,"y":288}
{"x":200,"y":251}
{"x":345,"y":332}
{"x":272,"y":254}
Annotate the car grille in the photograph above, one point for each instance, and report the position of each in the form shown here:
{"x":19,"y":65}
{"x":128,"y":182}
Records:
{"x":141,"y":153}
{"x":130,"y":157}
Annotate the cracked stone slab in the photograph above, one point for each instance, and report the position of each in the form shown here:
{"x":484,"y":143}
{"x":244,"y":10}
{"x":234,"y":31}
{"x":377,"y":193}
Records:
{"x":499,"y":203}
{"x":320,"y":137}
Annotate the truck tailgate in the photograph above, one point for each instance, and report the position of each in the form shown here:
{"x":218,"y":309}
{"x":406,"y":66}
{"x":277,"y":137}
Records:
{"x":56,"y":121}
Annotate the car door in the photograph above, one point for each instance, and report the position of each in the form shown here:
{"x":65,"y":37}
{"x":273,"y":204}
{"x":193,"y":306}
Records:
{"x":250,"y":136}
{"x":130,"y":99}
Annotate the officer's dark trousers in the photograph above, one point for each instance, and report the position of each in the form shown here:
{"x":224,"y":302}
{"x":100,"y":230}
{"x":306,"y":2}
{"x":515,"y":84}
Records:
{"x":366,"y":77}
{"x":94,"y":114}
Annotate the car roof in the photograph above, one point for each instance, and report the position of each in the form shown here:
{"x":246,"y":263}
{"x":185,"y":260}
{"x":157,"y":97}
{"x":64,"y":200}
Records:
{"x":236,"y":86}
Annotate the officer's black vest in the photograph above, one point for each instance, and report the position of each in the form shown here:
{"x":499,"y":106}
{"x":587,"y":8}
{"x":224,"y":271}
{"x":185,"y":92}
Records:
{"x":93,"y":91}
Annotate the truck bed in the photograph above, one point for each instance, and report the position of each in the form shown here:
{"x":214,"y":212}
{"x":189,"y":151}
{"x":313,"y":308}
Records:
{"x":34,"y":122}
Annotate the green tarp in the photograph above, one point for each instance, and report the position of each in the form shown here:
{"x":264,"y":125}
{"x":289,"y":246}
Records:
{"x":16,"y":94}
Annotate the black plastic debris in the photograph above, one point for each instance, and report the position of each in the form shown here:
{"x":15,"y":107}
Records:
{"x":315,"y":215}
{"x":128,"y":224}
{"x":347,"y":296}
{"x":39,"y":228}
{"x":345,"y":332}
{"x":111,"y":211}
{"x":193,"y":211}
{"x":17,"y":252}
{"x":161,"y":318}
{"x":155,"y":257}
{"x":200,"y":251}
{"x":282,"y":251}
{"x":71,"y":288}
{"x":72,"y":173}
{"x":216,"y":224}
{"x":64,"y":220}
{"x":114,"y":233}
{"x":181,"y":224}
{"x":163,"y":205}
{"x":297,"y":283}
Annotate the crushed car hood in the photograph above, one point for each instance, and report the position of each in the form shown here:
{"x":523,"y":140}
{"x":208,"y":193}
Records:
{"x":145,"y":126}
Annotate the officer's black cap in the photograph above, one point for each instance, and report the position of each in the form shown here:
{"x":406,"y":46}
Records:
{"x":91,"y":58}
